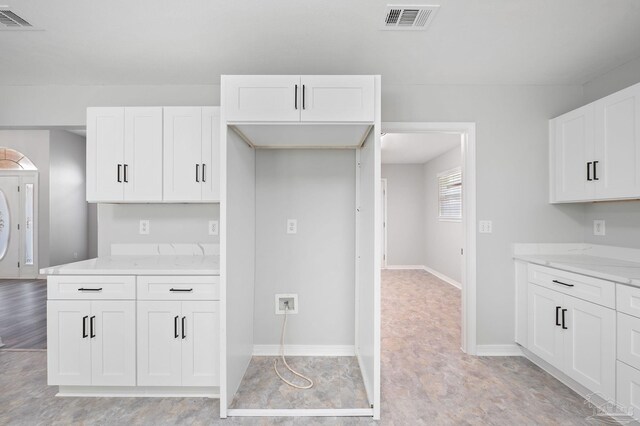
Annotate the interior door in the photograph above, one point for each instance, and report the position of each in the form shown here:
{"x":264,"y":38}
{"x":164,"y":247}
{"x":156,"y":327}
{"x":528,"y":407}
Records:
{"x":338,"y":98}
{"x":113,"y":343}
{"x":617,"y":135}
{"x":201,"y":344}
{"x":262,"y":97}
{"x":590,"y":346}
{"x":159,"y":343}
{"x":545,"y":324}
{"x":68,"y":342}
{"x":105,"y":154}
{"x":9,"y":233}
{"x":183,"y":154}
{"x":211,"y":154}
{"x":574,"y":155}
{"x":142,"y":165}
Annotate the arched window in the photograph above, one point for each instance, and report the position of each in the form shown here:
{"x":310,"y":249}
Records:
{"x":10,"y":159}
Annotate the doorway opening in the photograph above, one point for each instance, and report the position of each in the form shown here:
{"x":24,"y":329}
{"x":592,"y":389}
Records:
{"x":449,"y":194}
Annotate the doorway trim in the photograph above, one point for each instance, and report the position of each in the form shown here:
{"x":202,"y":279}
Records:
{"x":383,"y":183}
{"x":469,"y":250}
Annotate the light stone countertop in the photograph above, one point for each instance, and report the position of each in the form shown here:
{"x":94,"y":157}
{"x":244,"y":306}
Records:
{"x":618,"y":270}
{"x":140,"y":265}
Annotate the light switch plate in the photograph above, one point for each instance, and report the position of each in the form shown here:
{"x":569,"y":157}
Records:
{"x":292,"y":226}
{"x":213,"y":227}
{"x":599,"y":227}
{"x":144,"y":227}
{"x":485,"y":227}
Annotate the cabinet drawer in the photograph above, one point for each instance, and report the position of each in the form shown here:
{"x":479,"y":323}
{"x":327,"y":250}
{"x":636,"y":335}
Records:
{"x":628,"y":300}
{"x":587,"y":288}
{"x":629,"y":339}
{"x":91,"y":287}
{"x":178,"y":288}
{"x":628,"y":389}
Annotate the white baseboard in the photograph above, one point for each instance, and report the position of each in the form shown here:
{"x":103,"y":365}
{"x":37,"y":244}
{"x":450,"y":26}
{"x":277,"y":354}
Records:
{"x":404,"y":267}
{"x":443,"y":277}
{"x":305,"y":350}
{"x":499,"y":350}
{"x":300,"y":412}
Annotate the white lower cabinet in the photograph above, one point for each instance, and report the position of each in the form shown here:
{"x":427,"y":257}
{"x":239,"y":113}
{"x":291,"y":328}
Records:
{"x":178,"y":343}
{"x":91,"y":342}
{"x":575,"y":336}
{"x":628,"y":389}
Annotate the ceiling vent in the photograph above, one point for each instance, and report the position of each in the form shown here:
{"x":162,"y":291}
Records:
{"x":412,"y":18}
{"x":11,"y":21}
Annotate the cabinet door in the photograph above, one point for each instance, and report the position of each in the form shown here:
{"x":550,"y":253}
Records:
{"x":617,"y":135}
{"x":201,"y":344}
{"x":338,"y":98}
{"x":142,"y":169}
{"x":262,"y":97}
{"x":590,"y":346}
{"x":159,"y":344}
{"x":68,"y":342}
{"x":182,"y":154}
{"x":211,"y":154}
{"x":574,"y":150}
{"x":105,"y":154}
{"x":113,"y":343}
{"x":628,"y":390}
{"x":544,"y":333}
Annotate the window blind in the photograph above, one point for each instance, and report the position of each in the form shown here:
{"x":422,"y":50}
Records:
{"x":450,"y":194}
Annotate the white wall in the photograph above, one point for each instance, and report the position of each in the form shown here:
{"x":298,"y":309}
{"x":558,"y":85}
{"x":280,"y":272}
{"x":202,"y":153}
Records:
{"x":68,"y":220}
{"x":444,"y":239}
{"x":622,"y":224}
{"x":512,"y":177}
{"x":168,"y":223}
{"x":317,"y":188}
{"x":405,"y":214}
{"x":35,"y":145}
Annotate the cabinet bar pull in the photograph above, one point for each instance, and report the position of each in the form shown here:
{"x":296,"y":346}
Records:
{"x":92,"y":326}
{"x":303,"y":93}
{"x":295,"y":98}
{"x":184,"y":334}
{"x":180,"y":289}
{"x":119,"y":171}
{"x":558,"y":315}
{"x":561,"y":283}
{"x":197,"y":172}
{"x":126,"y":179}
{"x":90,"y":289}
{"x":589,"y":171}
{"x":564,"y":327}
{"x":204,"y":173}
{"x":595,"y":170}
{"x":175,"y":327}
{"x":84,"y":327}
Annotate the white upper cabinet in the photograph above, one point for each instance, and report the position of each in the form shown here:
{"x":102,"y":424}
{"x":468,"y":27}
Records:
{"x":294,"y":98}
{"x":191,"y":154}
{"x":262,"y":97}
{"x":595,"y":150}
{"x":574,"y":150}
{"x":617,"y":130}
{"x":124,"y":154}
{"x":337,"y":98}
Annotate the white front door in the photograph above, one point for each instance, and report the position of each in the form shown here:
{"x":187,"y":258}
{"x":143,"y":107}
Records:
{"x":9,"y":222}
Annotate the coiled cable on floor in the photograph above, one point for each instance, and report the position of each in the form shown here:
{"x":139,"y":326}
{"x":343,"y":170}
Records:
{"x":275,"y":362}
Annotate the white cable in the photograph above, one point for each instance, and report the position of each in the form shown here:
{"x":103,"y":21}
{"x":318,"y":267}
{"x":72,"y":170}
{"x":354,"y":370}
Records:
{"x":275,"y":362}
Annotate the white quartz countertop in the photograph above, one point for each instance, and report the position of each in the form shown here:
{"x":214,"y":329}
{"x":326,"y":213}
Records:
{"x":612,"y":269}
{"x":140,"y":265}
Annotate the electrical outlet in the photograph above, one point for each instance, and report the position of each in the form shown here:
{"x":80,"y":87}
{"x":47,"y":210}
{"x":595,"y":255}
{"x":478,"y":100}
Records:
{"x":144,"y":227}
{"x":213,"y":227}
{"x":292,"y":226}
{"x":75,"y":254}
{"x":598,"y":227}
{"x":486,"y":227}
{"x":284,"y":301}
